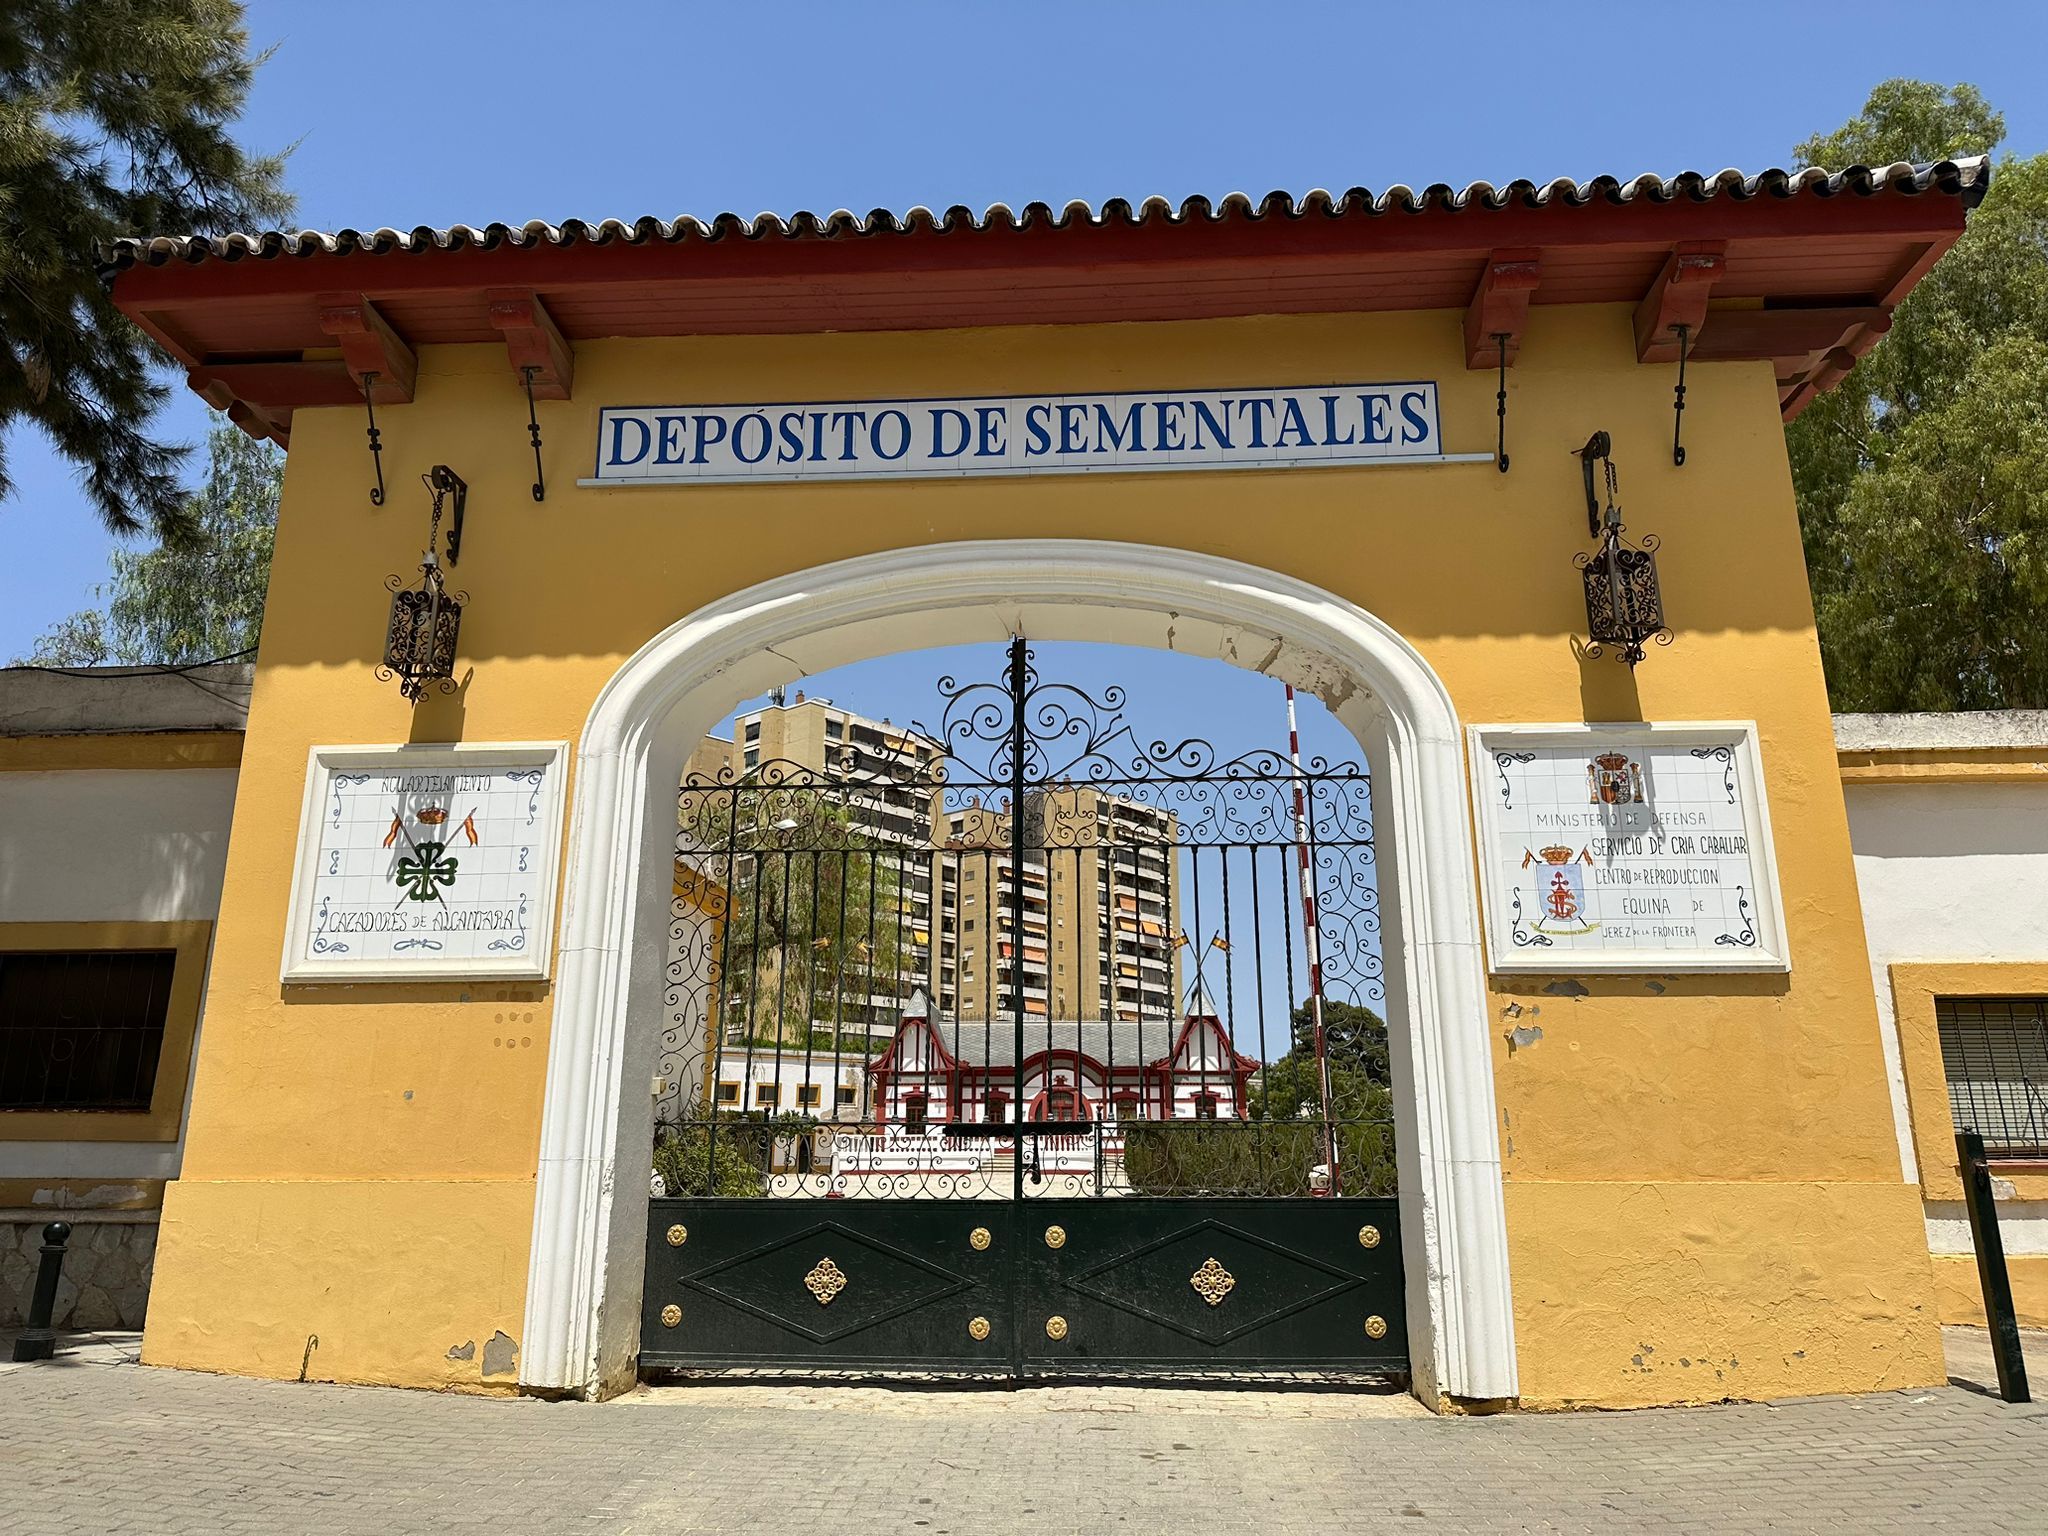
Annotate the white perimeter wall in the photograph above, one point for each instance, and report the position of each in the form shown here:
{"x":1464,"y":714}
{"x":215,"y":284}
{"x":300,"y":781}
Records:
{"x":1951,"y":872}
{"x":130,"y":845}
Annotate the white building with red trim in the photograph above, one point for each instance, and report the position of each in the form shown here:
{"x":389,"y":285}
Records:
{"x":939,"y":1071}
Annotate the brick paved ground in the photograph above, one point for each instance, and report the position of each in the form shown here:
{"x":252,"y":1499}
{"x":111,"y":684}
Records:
{"x":89,"y":1446}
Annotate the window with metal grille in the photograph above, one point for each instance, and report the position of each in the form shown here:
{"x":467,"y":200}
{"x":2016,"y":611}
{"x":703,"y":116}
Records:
{"x":82,"y":1029}
{"x":1994,"y":1051}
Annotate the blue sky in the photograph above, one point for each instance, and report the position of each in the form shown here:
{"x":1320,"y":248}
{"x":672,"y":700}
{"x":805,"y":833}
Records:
{"x":450,"y":112}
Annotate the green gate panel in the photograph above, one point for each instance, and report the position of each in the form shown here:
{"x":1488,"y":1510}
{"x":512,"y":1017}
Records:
{"x":855,"y":1284}
{"x":1031,"y":1288}
{"x":1249,"y":1285}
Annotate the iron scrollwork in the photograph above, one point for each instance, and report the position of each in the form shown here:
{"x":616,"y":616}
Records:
{"x":817,"y":902}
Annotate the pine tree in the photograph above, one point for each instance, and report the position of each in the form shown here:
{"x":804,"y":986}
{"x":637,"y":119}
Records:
{"x":113,"y":121}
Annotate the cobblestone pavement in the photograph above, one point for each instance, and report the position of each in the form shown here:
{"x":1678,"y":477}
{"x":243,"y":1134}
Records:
{"x":91,"y":1443}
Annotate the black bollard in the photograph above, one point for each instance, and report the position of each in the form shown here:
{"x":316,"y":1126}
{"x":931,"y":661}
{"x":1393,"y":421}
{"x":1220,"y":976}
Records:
{"x":1991,"y":1273}
{"x":39,"y":1340}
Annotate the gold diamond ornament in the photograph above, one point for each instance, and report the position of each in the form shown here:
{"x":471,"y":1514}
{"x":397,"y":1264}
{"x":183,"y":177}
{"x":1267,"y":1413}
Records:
{"x":978,"y":1328}
{"x":1368,"y":1237}
{"x":979,"y":1239}
{"x":1055,"y":1327}
{"x":678,"y":1235}
{"x":825,"y":1282}
{"x":1375,"y":1327}
{"x":671,"y":1315}
{"x":1212,"y":1282}
{"x":1055,"y":1237}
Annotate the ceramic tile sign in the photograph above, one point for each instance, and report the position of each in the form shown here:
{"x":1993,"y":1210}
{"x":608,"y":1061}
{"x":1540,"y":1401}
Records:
{"x":1302,"y":427}
{"x":1630,"y":848}
{"x":420,"y":862}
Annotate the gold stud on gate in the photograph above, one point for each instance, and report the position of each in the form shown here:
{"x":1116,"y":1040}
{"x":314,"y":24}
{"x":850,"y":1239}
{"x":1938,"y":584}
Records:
{"x":979,"y":1239}
{"x":1368,"y":1237}
{"x":1375,"y":1327}
{"x":1056,"y":1326}
{"x":1056,"y":1237}
{"x":671,"y":1315}
{"x":977,"y":1329}
{"x":678,"y":1235}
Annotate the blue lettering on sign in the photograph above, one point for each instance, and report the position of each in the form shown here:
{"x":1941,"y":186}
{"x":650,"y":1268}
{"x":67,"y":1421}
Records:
{"x":1332,"y":424}
{"x":1376,"y":430}
{"x":1112,"y":435}
{"x":1414,"y":425}
{"x":619,"y":425}
{"x":1035,"y":420}
{"x":670,"y":435}
{"x":941,"y":416}
{"x":898,"y":423}
{"x":739,"y":438}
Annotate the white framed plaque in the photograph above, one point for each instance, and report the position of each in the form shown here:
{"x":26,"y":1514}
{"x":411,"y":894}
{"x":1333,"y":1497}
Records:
{"x":1626,"y":848}
{"x":427,"y":862}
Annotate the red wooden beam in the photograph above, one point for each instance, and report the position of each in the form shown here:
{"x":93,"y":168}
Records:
{"x":1500,"y":307}
{"x":533,"y":340}
{"x":1678,"y":297}
{"x":1740,"y":334}
{"x":263,"y":422}
{"x":369,"y":345}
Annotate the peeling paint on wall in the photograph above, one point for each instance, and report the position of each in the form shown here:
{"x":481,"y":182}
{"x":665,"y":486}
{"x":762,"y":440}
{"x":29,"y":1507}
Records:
{"x":501,"y":1353}
{"x":1522,"y":1036}
{"x":465,"y":1350}
{"x":1567,"y":988}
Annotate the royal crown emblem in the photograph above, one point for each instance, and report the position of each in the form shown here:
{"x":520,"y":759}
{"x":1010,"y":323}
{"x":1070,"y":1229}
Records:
{"x":431,"y":816}
{"x":1612,"y":779}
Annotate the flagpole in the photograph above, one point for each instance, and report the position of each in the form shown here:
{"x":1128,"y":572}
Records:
{"x":1312,"y":934}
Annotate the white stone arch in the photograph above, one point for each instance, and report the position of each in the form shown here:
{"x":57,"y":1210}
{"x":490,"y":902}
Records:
{"x":584,"y":1281}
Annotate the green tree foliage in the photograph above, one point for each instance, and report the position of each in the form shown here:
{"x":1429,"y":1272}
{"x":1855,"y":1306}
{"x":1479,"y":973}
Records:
{"x":693,"y":1161}
{"x":1273,"y":1150}
{"x":195,"y":599}
{"x":1355,"y":1035}
{"x":1923,"y":477}
{"x":818,"y":919}
{"x":113,"y":121}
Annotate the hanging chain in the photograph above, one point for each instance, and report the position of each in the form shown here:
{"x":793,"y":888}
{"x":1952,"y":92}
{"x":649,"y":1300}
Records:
{"x":432,"y":563}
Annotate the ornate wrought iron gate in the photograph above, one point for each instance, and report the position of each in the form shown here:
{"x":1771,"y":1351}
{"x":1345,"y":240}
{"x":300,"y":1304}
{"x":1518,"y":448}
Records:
{"x":1013,"y":1046}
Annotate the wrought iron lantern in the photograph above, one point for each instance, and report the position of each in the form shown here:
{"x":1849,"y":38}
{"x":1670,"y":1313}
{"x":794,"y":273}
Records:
{"x":1624,"y":607}
{"x":419,"y":644}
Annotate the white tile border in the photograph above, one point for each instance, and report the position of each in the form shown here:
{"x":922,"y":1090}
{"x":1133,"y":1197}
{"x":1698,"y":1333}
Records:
{"x":296,"y":969}
{"x":1767,"y":957}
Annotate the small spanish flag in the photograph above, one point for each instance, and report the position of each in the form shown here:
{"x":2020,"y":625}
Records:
{"x":469,"y":828}
{"x":397,"y":826}
{"x":1182,"y":941}
{"x":1220,"y":942}
{"x":824,"y":943}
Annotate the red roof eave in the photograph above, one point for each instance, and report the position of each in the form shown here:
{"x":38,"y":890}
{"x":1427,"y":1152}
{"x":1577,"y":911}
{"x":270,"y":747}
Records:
{"x":241,"y":312}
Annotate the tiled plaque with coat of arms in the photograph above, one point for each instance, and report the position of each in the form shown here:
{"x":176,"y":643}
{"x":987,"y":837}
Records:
{"x":422,"y":862}
{"x":1634,"y":848}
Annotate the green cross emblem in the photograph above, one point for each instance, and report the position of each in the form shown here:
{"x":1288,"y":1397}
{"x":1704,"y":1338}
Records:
{"x":424,"y":871}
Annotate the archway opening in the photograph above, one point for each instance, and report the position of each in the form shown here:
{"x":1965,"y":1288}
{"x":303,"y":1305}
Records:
{"x":585,"y":1296}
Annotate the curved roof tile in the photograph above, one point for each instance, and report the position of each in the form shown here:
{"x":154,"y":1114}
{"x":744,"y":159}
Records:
{"x":1967,"y":178}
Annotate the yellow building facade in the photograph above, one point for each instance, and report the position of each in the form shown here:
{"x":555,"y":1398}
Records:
{"x":1700,"y":1192}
